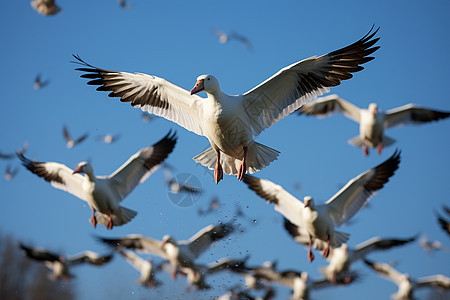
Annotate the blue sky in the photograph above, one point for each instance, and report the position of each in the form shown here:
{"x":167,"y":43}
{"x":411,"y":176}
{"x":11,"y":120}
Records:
{"x":173,"y":40}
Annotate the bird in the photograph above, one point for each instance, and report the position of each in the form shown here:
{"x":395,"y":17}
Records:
{"x":225,"y":38}
{"x":124,"y":4}
{"x":71,"y":142}
{"x":10,"y":173}
{"x":430,"y":246}
{"x":45,"y":7}
{"x":213,"y":206}
{"x":108,"y":138}
{"x":13,"y":154}
{"x":319,"y":221}
{"x":38,"y":83}
{"x":406,"y":284}
{"x":372,"y":121}
{"x":60,"y":264}
{"x":104,"y":193}
{"x":177,"y":184}
{"x":230,"y":122}
{"x":178,"y":253}
{"x":445,"y":225}
{"x":144,"y":266}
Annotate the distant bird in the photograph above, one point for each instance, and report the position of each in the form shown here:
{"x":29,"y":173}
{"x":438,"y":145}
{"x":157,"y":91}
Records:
{"x":319,"y":221}
{"x":406,"y":284}
{"x":430,"y":246}
{"x":60,"y":264}
{"x":178,"y":253}
{"x":177,"y":185}
{"x":104,"y":193}
{"x":10,"y":173}
{"x":445,"y":224}
{"x":108,"y":138}
{"x":12,"y":155}
{"x":124,"y":4}
{"x":372,"y":121}
{"x":46,"y":7}
{"x":146,"y":117}
{"x":71,"y":142}
{"x":38,"y":83}
{"x":144,"y":266}
{"x":212,"y":207}
{"x":231,"y":122}
{"x":225,"y":38}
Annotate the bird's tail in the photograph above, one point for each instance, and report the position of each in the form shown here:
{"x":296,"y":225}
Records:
{"x":259,"y":156}
{"x":356,"y":141}
{"x":339,"y":238}
{"x":123,"y":216}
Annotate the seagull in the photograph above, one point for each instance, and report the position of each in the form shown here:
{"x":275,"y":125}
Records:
{"x":225,"y":38}
{"x":104,"y":193}
{"x":108,"y":138}
{"x":46,"y":7}
{"x":71,"y":142}
{"x":406,"y":284}
{"x":372,"y":121}
{"x":59,"y":264}
{"x":319,"y":221}
{"x":178,"y":253}
{"x":10,"y":173}
{"x":38,"y":83}
{"x":144,"y":266}
{"x":230,"y":122}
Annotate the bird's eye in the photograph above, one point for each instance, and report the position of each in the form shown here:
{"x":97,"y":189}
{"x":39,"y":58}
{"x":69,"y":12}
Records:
{"x":207,"y":78}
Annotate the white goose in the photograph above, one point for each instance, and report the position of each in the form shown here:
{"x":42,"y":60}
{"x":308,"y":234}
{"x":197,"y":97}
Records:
{"x":319,"y":221}
{"x":144,"y":266}
{"x":178,"y":253}
{"x":104,"y":193}
{"x":407,"y":285}
{"x":231,"y":121}
{"x":372,"y":121}
{"x":60,"y":264}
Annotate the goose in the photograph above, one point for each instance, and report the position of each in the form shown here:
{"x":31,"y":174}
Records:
{"x":319,"y":221}
{"x":225,"y":38}
{"x":60,"y":264}
{"x":108,"y":138}
{"x":104,"y":193}
{"x":230,"y":122}
{"x":45,"y":7}
{"x":144,"y":266}
{"x":178,"y":253}
{"x":372,"y":121}
{"x":406,"y":284}
{"x":70,"y":141}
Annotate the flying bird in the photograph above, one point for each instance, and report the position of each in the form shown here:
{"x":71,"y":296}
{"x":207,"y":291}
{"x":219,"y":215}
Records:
{"x":406,"y":284}
{"x":372,"y":121}
{"x":124,"y":4}
{"x":104,"y":193}
{"x":108,"y":138}
{"x":430,"y":246}
{"x":10,"y":173}
{"x":212,"y":207}
{"x":178,"y":253}
{"x":230,"y":122}
{"x":179,"y":185}
{"x":12,"y":155}
{"x":38,"y":83}
{"x":45,"y":7}
{"x":144,"y":266}
{"x":225,"y":38}
{"x":444,"y":223}
{"x":71,"y":142}
{"x":60,"y":264}
{"x":319,"y":221}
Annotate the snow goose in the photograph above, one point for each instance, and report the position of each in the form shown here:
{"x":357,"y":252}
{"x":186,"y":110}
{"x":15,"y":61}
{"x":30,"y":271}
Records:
{"x":104,"y":193}
{"x":59,"y":264}
{"x":178,"y":253}
{"x":46,"y":7}
{"x":372,"y":121}
{"x":406,"y":284}
{"x":144,"y":266}
{"x":230,"y":122}
{"x":70,"y":141}
{"x":319,"y":221}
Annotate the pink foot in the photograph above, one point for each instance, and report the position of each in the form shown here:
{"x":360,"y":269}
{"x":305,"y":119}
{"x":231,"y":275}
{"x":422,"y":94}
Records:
{"x":93,"y":219}
{"x":218,"y":172}
{"x":380,"y":148}
{"x":243,"y":167}
{"x":310,"y":254}
{"x":326,"y":251}
{"x":365,"y":150}
{"x":109,"y":224}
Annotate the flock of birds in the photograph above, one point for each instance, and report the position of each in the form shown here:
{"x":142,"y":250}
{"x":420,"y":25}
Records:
{"x":230,"y":123}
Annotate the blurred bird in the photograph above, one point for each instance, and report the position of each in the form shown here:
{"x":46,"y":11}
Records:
{"x":178,"y":253}
{"x":144,"y":266}
{"x":318,"y":222}
{"x":108,"y":138}
{"x":12,"y":155}
{"x":445,"y":225}
{"x":230,"y":122}
{"x":146,"y":117}
{"x":406,"y":284}
{"x":430,"y":246}
{"x":46,"y":7}
{"x":225,"y":38}
{"x":61,"y":265}
{"x":71,"y":142}
{"x":10,"y":173}
{"x":38,"y":83}
{"x":212,"y":207}
{"x":176,"y":185}
{"x":104,"y":193}
{"x":372,"y":121}
{"x":124,"y":4}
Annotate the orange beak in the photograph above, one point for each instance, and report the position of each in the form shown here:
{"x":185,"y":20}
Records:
{"x":79,"y":169}
{"x":198,"y":87}
{"x":164,"y":241}
{"x":306,"y":203}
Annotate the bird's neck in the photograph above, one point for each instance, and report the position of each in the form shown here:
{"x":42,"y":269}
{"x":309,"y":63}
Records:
{"x":90,"y":176}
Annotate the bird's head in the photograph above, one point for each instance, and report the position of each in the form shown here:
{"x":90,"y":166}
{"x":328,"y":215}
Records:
{"x":83,"y":167}
{"x":167,"y":239}
{"x":373,"y":108}
{"x":207,"y":83}
{"x":309,"y":202}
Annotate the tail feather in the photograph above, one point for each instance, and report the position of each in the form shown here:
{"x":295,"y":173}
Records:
{"x":123,"y":216}
{"x":387,"y":141}
{"x":356,"y":141}
{"x":339,"y":238}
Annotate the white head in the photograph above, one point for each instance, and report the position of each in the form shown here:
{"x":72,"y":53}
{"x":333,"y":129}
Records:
{"x":309,"y":202}
{"x":84,"y":167}
{"x":207,"y":83}
{"x":373,"y":108}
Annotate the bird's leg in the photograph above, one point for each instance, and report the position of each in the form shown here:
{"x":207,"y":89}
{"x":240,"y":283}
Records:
{"x":326,"y":251}
{"x":109,"y":224}
{"x":218,"y":172}
{"x":243,"y":167}
{"x":310,"y":254}
{"x":365,"y":150}
{"x":380,"y":147}
{"x":93,"y":219}
{"x":174,"y":273}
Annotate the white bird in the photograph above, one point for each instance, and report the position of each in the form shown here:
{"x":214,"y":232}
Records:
{"x":177,"y":184}
{"x":319,"y":221}
{"x":144,"y":266}
{"x":108,"y":138}
{"x":60,"y":265}
{"x":178,"y":253}
{"x":45,"y":7}
{"x":429,"y":246}
{"x":70,"y":141}
{"x":104,"y":193}
{"x":225,"y":38}
{"x":230,"y":122}
{"x":10,"y":173}
{"x":406,"y":284}
{"x":372,"y":121}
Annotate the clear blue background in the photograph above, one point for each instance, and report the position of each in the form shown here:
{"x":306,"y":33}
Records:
{"x":173,"y":40}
